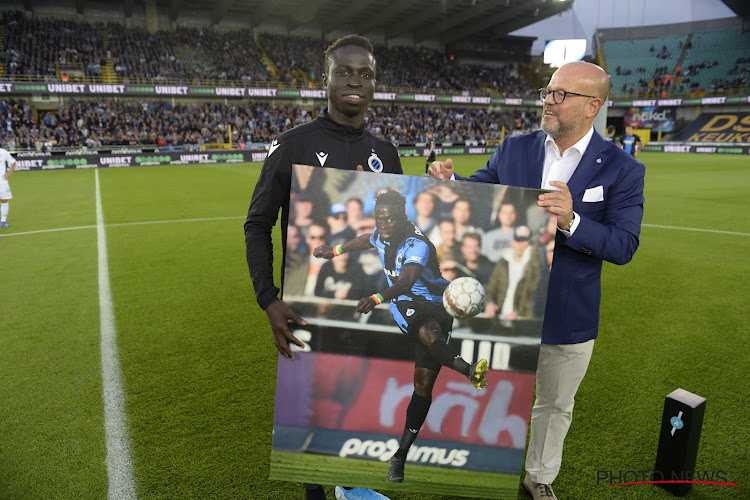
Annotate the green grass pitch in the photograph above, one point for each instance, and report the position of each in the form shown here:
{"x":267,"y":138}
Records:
{"x":422,"y":479}
{"x":198,"y":361}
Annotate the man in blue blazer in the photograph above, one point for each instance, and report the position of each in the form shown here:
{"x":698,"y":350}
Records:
{"x":597,"y":196}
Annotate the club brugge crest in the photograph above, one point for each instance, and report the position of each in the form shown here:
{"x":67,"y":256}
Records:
{"x":374,"y":163}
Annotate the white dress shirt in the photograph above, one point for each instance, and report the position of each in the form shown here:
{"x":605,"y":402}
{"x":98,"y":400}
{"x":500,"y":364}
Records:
{"x":559,"y":167}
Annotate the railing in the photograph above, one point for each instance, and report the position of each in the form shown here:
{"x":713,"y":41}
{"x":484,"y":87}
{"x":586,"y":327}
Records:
{"x":491,"y":141}
{"x":656,"y":93}
{"x":197,"y":81}
{"x":649,"y":93}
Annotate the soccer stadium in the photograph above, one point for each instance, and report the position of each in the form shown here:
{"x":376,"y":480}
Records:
{"x":135,"y":359}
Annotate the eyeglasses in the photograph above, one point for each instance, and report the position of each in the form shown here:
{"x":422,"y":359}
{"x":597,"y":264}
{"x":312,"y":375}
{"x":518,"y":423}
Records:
{"x":559,"y":95}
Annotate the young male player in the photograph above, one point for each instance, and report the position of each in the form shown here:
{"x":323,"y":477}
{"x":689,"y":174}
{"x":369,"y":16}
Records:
{"x":430,"y":154}
{"x":337,"y":139}
{"x":7,"y":166}
{"x":611,"y":137}
{"x":415,"y":299}
{"x":631,"y":142}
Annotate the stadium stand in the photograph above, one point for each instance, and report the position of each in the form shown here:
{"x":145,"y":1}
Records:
{"x":717,"y":60}
{"x":65,"y":50}
{"x":679,"y":65}
{"x":47,"y":49}
{"x":37,"y":49}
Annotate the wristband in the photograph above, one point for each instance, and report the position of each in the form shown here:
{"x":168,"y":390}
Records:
{"x":377,"y":298}
{"x":338,"y":249}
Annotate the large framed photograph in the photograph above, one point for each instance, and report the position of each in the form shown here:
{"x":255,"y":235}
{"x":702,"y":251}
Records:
{"x":341,"y":406}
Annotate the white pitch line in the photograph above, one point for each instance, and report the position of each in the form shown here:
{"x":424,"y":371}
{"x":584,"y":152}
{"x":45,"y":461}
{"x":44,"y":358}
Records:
{"x":119,"y":462}
{"x":47,"y":231}
{"x":171,"y":221}
{"x":74,"y":228}
{"x":696,"y":229}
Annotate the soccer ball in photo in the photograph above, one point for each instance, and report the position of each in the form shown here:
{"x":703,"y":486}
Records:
{"x":464,"y":298}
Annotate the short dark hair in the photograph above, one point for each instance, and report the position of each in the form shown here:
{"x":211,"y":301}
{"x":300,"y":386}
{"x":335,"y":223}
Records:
{"x":464,"y":200}
{"x":432,"y":196}
{"x":611,"y":129}
{"x":473,"y":235}
{"x":391,"y":198}
{"x":355,"y":200}
{"x":322,"y":226}
{"x":345,"y":41}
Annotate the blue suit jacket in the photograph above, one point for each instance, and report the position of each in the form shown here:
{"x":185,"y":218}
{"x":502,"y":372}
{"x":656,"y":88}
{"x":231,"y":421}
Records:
{"x":608,"y":229}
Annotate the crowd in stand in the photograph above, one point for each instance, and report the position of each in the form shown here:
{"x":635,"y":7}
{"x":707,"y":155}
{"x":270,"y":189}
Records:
{"x":669,"y":80}
{"x":109,"y":123}
{"x":402,"y":124}
{"x":738,"y":74}
{"x":35,"y":47}
{"x":429,"y":69}
{"x":297,"y":58}
{"x":404,"y":67}
{"x":681,"y":80}
{"x":663,"y":53}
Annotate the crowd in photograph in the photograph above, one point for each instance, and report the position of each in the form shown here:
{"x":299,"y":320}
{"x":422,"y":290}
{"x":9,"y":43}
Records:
{"x":506,"y":244}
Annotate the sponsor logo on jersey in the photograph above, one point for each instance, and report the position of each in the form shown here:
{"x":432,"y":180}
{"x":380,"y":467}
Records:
{"x":273,"y":147}
{"x":375,"y":164}
{"x":322,"y":157}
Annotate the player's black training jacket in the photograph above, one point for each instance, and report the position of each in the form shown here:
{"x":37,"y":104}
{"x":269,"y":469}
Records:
{"x":321,"y":142}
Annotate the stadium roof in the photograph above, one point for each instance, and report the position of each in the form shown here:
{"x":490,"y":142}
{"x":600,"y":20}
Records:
{"x":445,"y":21}
{"x":740,"y":7}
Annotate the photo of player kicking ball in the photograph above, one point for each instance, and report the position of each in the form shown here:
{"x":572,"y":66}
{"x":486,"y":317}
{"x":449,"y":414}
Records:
{"x":415,"y":300}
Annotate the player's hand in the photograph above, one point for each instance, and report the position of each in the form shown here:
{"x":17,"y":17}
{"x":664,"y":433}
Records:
{"x":441,"y":169}
{"x":559,"y":203}
{"x":366,"y":305}
{"x":491,"y":309}
{"x":279,"y":313}
{"x":511,"y":316}
{"x":323,"y":252}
